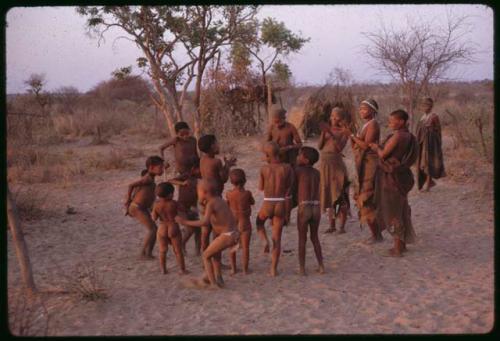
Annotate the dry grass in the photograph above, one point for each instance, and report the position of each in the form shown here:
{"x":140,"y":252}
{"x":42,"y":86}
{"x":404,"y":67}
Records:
{"x":28,"y":315}
{"x":85,"y":282}
{"x":30,"y":203}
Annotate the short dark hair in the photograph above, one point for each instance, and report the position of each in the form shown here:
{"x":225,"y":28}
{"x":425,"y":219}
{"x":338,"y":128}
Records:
{"x":180,"y":125}
{"x":401,"y":114}
{"x":144,"y":172}
{"x":311,"y":154}
{"x":237,"y":176}
{"x":164,"y":189}
{"x":154,"y":161}
{"x":205,"y":142}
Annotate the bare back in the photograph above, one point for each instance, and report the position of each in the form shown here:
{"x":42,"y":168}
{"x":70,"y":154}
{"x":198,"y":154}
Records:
{"x":210,"y":169}
{"x":308,"y":182}
{"x":166,"y":210}
{"x":240,"y":202}
{"x":184,"y":150}
{"x":276,"y":180}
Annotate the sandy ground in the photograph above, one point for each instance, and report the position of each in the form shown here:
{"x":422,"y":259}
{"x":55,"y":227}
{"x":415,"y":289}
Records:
{"x":444,"y":284}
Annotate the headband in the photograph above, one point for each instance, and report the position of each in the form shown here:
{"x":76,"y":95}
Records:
{"x":370,"y":105}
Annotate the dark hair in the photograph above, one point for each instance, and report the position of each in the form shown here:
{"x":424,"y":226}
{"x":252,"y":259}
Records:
{"x":180,"y":125}
{"x":237,"y":176}
{"x":154,"y":160}
{"x":311,"y":154}
{"x":206,"y":142}
{"x":144,"y":172}
{"x":401,"y":114}
{"x":164,"y":189}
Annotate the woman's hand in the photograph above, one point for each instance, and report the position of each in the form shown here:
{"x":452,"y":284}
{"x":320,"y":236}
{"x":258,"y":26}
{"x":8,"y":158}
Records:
{"x":374,"y":147}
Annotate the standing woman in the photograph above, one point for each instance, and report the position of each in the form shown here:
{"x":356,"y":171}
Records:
{"x":366,"y":165}
{"x":430,"y":157}
{"x":334,"y":183}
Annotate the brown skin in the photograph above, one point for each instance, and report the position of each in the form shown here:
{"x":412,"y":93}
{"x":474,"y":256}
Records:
{"x":395,"y":124}
{"x":371,"y":134}
{"x":240,"y":202}
{"x":188,"y":199}
{"x":307,"y":183}
{"x":276,"y":180}
{"x":143,"y":191}
{"x":212,"y":168}
{"x":334,"y":140}
{"x":219,"y":216}
{"x":184,"y":149}
{"x":168,"y":232}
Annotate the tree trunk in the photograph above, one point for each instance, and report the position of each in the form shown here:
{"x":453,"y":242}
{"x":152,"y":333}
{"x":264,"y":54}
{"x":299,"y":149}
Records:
{"x":168,"y":117}
{"x":20,"y":244}
{"x":269,"y":101}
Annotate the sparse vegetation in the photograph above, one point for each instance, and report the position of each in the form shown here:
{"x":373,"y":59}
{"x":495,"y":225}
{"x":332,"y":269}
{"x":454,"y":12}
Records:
{"x":86,"y":282}
{"x":28,"y":315}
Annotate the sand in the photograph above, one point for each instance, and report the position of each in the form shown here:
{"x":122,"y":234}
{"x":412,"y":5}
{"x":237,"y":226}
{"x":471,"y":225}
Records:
{"x":444,"y":284}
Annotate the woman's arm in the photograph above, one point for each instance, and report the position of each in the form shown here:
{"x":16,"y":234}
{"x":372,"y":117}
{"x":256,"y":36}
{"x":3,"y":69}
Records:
{"x":322,"y":140}
{"x":388,"y":148}
{"x":204,"y":221}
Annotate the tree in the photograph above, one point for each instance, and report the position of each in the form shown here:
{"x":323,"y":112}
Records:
{"x":419,"y":54}
{"x":68,"y":97}
{"x":176,"y":42}
{"x":275,"y":40}
{"x":36,"y":83}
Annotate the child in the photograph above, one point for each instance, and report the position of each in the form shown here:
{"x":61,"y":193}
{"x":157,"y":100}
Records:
{"x":184,"y":147}
{"x":240,"y":201}
{"x":309,"y":212}
{"x":168,"y":232}
{"x":394,"y":180}
{"x":188,"y":200}
{"x":219,"y":216}
{"x":430,"y":163}
{"x":334,"y":187}
{"x":366,"y":165}
{"x":276,"y":180}
{"x":138,"y":205}
{"x":211,"y":168}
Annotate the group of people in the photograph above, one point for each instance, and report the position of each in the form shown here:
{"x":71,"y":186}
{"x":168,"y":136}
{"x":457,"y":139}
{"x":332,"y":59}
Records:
{"x":289,"y":180}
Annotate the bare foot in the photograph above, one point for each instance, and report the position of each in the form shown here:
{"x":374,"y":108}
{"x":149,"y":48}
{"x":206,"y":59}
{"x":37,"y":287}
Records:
{"x":391,"y":253}
{"x":247,"y":272}
{"x":233,"y":272}
{"x":330,"y":230}
{"x":224,"y":266}
{"x":373,"y":240}
{"x":164,"y":272}
{"x":183,"y":272}
{"x":302,"y":272}
{"x":146,"y":257}
{"x":220,"y":282}
{"x":266,"y":248}
{"x":273,"y":272}
{"x":341,"y":231}
{"x":321,"y":269}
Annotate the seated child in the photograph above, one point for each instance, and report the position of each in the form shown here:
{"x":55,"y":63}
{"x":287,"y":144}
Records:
{"x":219,"y":216}
{"x":140,"y":197}
{"x":240,"y":201}
{"x":188,"y":199}
{"x":211,"y":168}
{"x":276,"y":180}
{"x":307,"y":182}
{"x":184,"y":147}
{"x":168,"y":231}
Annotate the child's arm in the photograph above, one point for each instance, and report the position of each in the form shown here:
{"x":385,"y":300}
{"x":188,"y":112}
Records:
{"x":322,"y":140}
{"x":167,"y":144}
{"x":291,"y":182}
{"x":154,"y":214}
{"x":204,"y":221}
{"x":142,"y":182}
{"x":224,"y":169}
{"x":252,"y":200}
{"x":261,"y":181}
{"x":179,"y":181}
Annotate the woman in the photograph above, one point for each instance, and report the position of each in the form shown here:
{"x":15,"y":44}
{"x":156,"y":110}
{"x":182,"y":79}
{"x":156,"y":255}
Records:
{"x":334,"y":183}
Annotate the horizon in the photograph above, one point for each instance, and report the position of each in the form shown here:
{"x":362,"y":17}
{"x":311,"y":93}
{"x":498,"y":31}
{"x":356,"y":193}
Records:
{"x":52,"y":41}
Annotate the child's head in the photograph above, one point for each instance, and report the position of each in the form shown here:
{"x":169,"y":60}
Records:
{"x":278,"y":115}
{"x":182,"y":130}
{"x":368,"y":108}
{"x":154,"y":165}
{"x":165,"y":190}
{"x":237,"y":177}
{"x":208,"y":144}
{"x":307,"y":156}
{"x":337,"y":116}
{"x":427,"y":104}
{"x":271,"y":149}
{"x":398,"y":119}
{"x":206,"y":188}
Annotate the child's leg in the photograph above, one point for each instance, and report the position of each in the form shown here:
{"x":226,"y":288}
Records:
{"x":245,"y":245}
{"x":174,"y":234}
{"x":232,"y":258}
{"x":197,"y":241}
{"x":342,"y":217}
{"x":205,"y":237}
{"x":314,"y":225}
{"x":212,"y":250}
{"x":145,"y":219}
{"x":261,"y":231}
{"x":186,"y":234}
{"x":276,"y":237}
{"x":217,"y":265}
{"x":162,"y":237}
{"x":302,"y":229}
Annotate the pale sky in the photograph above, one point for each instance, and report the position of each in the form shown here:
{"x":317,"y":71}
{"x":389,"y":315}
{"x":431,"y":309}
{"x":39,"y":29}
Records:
{"x":52,"y":40}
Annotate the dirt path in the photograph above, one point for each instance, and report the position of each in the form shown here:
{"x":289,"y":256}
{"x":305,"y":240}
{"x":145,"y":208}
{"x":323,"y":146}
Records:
{"x":443,"y":285}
